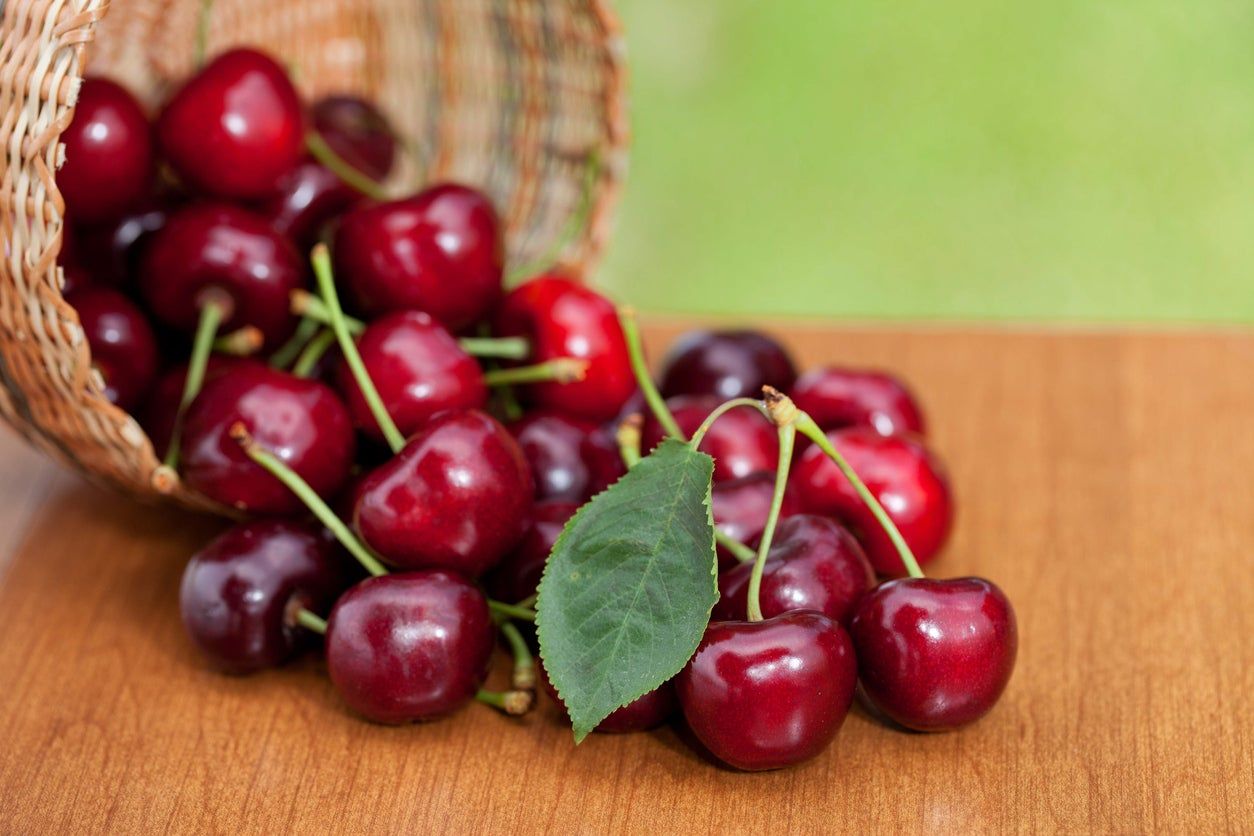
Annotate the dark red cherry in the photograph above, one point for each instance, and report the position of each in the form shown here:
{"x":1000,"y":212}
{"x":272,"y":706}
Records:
{"x":240,"y":594}
{"x":108,"y":153}
{"x":357,"y":132}
{"x":602,"y":457}
{"x":648,"y":712}
{"x":300,"y":421}
{"x":115,"y":251}
{"x":419,"y":370}
{"x":219,"y":249}
{"x":517,"y":576}
{"x":742,"y":441}
{"x":726,"y":365}
{"x":562,"y":318}
{"x":935,"y":654}
{"x":412,"y":646}
{"x":439,"y":251}
{"x":813,"y":564}
{"x":307,"y":200}
{"x":766,"y":694}
{"x":456,"y":497}
{"x":123,"y":348}
{"x":906,"y":478}
{"x":554,"y":444}
{"x":236,"y":128}
{"x":837,"y":397}
{"x":740,"y":507}
{"x":160,"y":410}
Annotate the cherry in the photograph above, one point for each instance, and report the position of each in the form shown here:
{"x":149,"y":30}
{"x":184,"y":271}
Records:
{"x":123,"y":348}
{"x":767,"y":694}
{"x":740,"y":507}
{"x":517,"y":576}
{"x":439,"y":251}
{"x":219,"y":252}
{"x":935,"y":654}
{"x":357,"y":132}
{"x":300,"y":421}
{"x":813,"y":564}
{"x":455,"y":497}
{"x":908,"y":480}
{"x":309,"y":197}
{"x":160,"y":410}
{"x":236,"y":128}
{"x":115,"y":250}
{"x":556,"y":446}
{"x":648,"y":712}
{"x":418,"y":369}
{"x":742,"y":441}
{"x":837,"y":397}
{"x":108,"y":153}
{"x":600,"y":454}
{"x":240,"y":594}
{"x":411,"y":646}
{"x":726,"y":365}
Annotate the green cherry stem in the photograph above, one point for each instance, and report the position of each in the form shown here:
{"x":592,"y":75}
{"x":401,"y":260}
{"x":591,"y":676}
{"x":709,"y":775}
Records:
{"x":242,"y":342}
{"x":216,"y":307}
{"x":279,"y":469}
{"x":321,"y":259}
{"x":504,"y":348}
{"x":311,"y":621}
{"x":314,"y":351}
{"x":524,"y":676}
{"x":787,"y":439}
{"x":718,"y":412}
{"x":557,"y":370}
{"x":518,"y":611}
{"x":635,"y":351}
{"x":287,"y":353}
{"x":628,"y":438}
{"x":529,"y":601}
{"x":202,"y":32}
{"x":513,"y":703}
{"x":342,"y":168}
{"x":310,"y":306}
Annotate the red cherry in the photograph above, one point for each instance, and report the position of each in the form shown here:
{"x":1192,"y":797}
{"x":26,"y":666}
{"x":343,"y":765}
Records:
{"x":357,"y":132}
{"x":767,"y":694}
{"x":813,"y":564}
{"x":740,"y":507}
{"x":108,"y":153}
{"x":555,"y":446}
{"x":309,"y":197}
{"x":407,"y":647}
{"x":743,"y":441}
{"x":726,"y":365}
{"x":418,"y":369}
{"x":935,"y":654}
{"x":219,"y":249}
{"x":836,"y":397}
{"x":517,"y":576}
{"x":562,"y":318}
{"x":123,"y":348}
{"x":240,"y":594}
{"x":455,"y":497}
{"x":439,"y":251}
{"x":160,"y":410}
{"x":907,"y":479}
{"x":648,"y":712}
{"x":300,"y":421}
{"x":115,"y":250}
{"x":236,"y":128}
{"x":604,"y":461}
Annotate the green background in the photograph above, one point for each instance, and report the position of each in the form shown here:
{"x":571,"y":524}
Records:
{"x":1072,"y":159}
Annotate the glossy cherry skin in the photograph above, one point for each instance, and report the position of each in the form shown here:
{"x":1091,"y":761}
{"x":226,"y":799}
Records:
{"x":358,"y":132}
{"x":935,"y":655}
{"x":517,"y":576}
{"x":837,"y":397}
{"x":767,"y":694}
{"x":562,"y":318}
{"x":411,"y":646}
{"x":440,"y":251}
{"x":419,"y":370}
{"x":108,"y":153}
{"x":236,"y":128}
{"x":115,"y":250}
{"x":300,"y":421}
{"x":160,"y":409}
{"x":555,"y":445}
{"x":123,"y":348}
{"x":740,"y":507}
{"x":906,"y":478}
{"x":309,"y":197}
{"x":240,"y":593}
{"x":602,"y":457}
{"x":813,"y":564}
{"x":742,"y":441}
{"x":456,"y":497}
{"x":726,"y":365}
{"x":648,"y":712}
{"x":219,"y":248}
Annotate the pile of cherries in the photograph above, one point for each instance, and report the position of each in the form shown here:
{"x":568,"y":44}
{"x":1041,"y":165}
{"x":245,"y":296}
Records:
{"x":408,"y":456}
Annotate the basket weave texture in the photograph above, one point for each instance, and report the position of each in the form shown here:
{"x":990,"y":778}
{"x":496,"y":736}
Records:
{"x":513,"y":96}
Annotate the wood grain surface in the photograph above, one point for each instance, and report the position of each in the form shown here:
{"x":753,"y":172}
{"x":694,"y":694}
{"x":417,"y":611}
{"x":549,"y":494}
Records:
{"x":1105,"y":481}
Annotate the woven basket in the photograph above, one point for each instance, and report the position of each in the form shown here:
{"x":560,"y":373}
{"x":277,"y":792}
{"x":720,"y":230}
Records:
{"x":510,"y":95}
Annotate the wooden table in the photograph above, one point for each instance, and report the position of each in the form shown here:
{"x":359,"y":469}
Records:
{"x":1106,"y":482}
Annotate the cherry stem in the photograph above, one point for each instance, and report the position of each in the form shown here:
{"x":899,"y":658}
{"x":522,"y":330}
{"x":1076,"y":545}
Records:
{"x":306,"y":329}
{"x":279,"y":469}
{"x":342,"y":168}
{"x":718,"y":412}
{"x":505,"y":348}
{"x":524,"y":676}
{"x":202,"y":32}
{"x":558,"y":370}
{"x":635,"y":351}
{"x":807,"y":427}
{"x":628,"y":438}
{"x":787,"y":440}
{"x":522,"y":613}
{"x":314,"y":351}
{"x":212,"y":313}
{"x":241,"y":342}
{"x":311,"y":621}
{"x":513,"y":703}
{"x":576,"y":222}
{"x":321,"y":259}
{"x":306,"y":304}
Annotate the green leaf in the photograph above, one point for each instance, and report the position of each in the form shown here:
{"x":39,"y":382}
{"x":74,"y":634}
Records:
{"x":628,"y":589}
